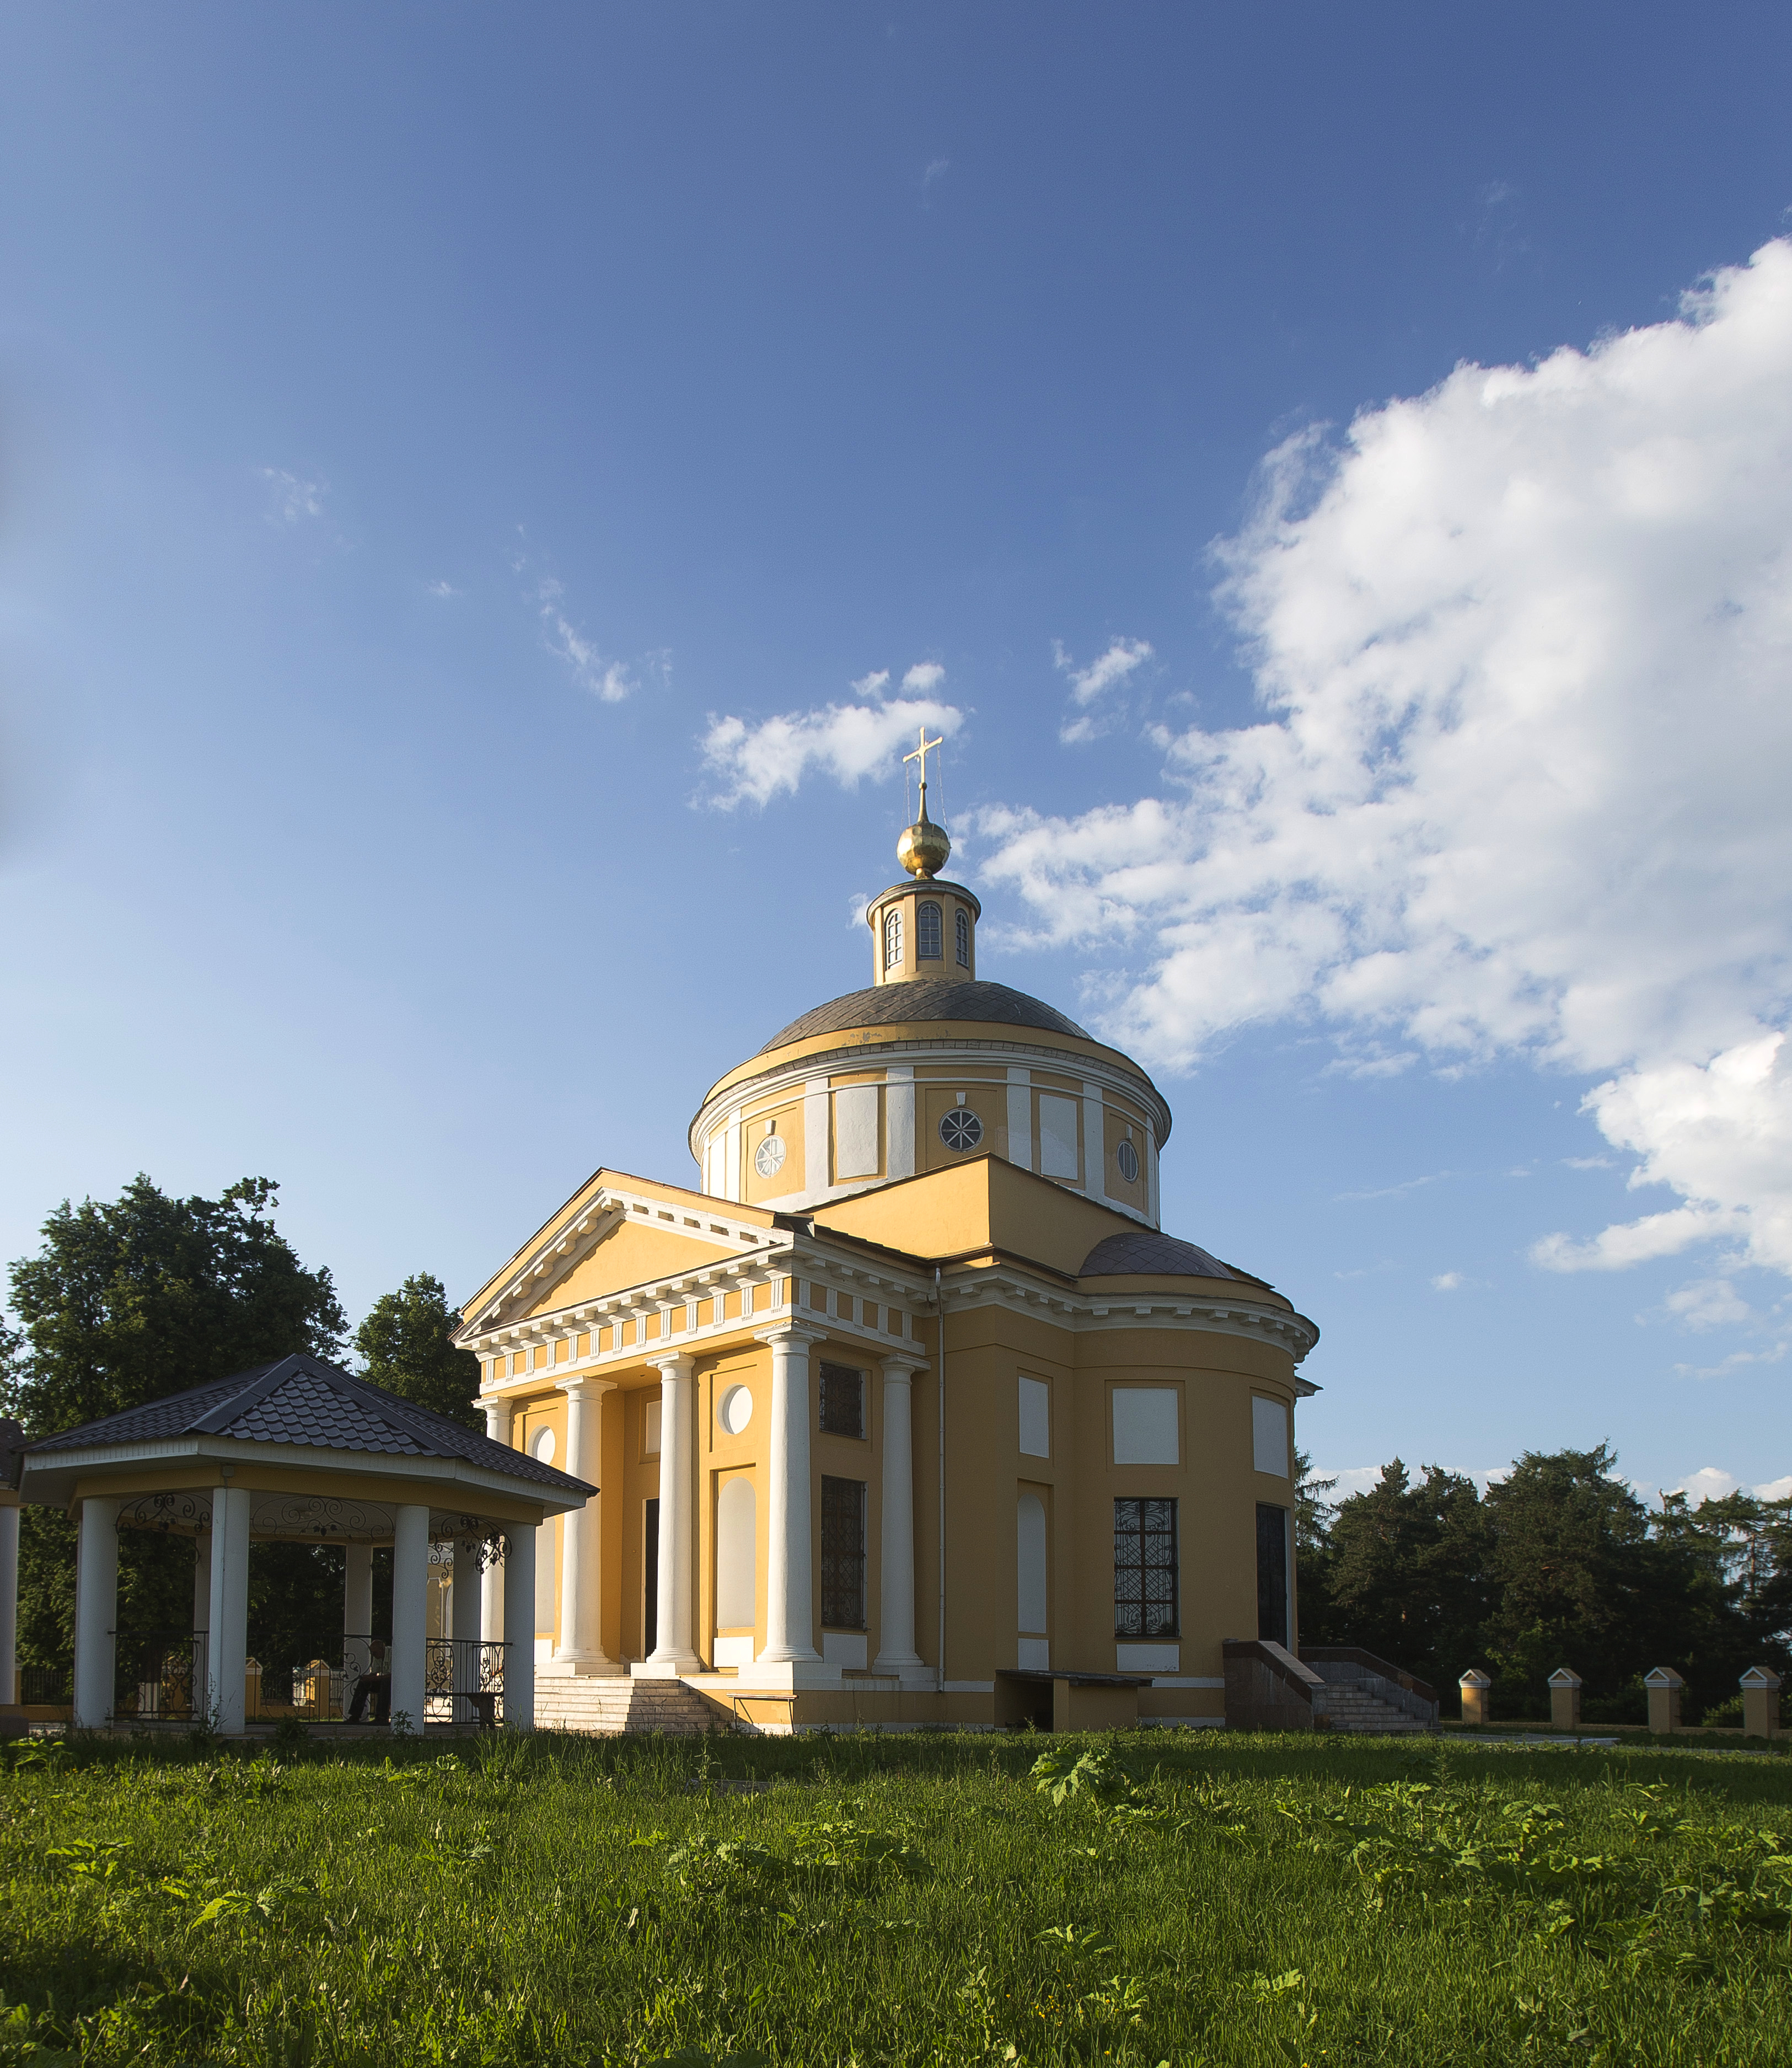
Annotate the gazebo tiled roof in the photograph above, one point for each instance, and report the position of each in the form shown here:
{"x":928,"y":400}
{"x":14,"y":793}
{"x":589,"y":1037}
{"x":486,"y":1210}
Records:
{"x":305,"y":1401}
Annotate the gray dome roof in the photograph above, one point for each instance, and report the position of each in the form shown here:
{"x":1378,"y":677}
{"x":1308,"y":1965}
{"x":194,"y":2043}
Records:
{"x":1143,"y":1252}
{"x":927,"y":998}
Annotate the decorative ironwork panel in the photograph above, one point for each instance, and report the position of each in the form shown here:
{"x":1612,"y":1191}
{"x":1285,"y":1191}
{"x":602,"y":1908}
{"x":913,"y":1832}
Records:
{"x":843,"y":1553}
{"x":1145,"y":1569}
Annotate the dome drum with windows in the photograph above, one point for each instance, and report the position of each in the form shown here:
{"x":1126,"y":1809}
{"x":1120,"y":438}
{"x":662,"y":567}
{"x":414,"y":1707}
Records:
{"x":906,"y":1412}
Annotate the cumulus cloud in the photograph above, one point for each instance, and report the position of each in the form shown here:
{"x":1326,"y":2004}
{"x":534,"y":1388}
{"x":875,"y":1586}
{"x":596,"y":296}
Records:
{"x":290,"y":499}
{"x":1447,"y":1281}
{"x":751,"y":763}
{"x":1522,"y":646}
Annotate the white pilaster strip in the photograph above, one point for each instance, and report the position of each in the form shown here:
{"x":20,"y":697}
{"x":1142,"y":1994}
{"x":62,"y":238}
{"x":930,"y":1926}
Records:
{"x":896,"y":1613}
{"x":815,"y":1159}
{"x":1095,"y":1143}
{"x":1020,"y":1118}
{"x":899,"y":1120}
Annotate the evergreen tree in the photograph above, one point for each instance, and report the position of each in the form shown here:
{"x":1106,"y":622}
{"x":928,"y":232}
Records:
{"x":128,"y":1300}
{"x":407,"y":1345}
{"x":1407,"y":1571}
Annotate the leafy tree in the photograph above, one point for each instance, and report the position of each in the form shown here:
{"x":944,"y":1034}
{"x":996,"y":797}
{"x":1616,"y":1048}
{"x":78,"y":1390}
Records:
{"x":407,"y":1343}
{"x":128,"y":1300}
{"x":1407,"y":1571}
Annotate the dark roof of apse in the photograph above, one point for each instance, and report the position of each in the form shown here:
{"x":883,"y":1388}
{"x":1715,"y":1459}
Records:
{"x":1144,"y":1253}
{"x":929,"y":998}
{"x":305,"y":1401}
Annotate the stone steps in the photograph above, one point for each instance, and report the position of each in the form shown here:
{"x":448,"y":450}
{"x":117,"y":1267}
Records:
{"x":617,"y":1704}
{"x":1355,"y":1710}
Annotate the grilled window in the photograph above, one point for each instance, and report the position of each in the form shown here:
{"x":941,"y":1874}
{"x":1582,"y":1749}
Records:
{"x":843,"y":1553}
{"x":1145,"y":1569}
{"x":964,"y":940}
{"x":893,"y":940}
{"x":927,"y":933}
{"x":843,"y":1401}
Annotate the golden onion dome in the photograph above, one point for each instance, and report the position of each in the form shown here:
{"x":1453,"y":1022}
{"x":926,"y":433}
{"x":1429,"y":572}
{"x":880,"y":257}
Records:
{"x":924,"y":848}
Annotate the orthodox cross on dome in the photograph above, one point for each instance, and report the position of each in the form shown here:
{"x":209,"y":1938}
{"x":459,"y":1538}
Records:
{"x":924,"y":849}
{"x":927,"y":747}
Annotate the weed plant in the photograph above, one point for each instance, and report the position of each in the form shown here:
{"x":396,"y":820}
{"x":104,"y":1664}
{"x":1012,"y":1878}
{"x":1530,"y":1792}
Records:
{"x":1171,"y":1897}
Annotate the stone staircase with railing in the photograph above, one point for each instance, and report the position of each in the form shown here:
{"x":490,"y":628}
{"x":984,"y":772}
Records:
{"x":613,"y":1703}
{"x":1327,"y":1689}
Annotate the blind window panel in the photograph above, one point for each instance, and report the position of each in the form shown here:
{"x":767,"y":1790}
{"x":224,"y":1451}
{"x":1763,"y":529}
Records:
{"x":1146,"y":1602}
{"x":843,"y":1553}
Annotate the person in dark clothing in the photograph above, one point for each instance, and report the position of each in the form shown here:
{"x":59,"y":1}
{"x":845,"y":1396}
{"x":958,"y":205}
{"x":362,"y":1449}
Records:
{"x":376,"y":1681}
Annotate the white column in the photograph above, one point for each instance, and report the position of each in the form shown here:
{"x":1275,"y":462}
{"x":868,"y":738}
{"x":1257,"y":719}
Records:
{"x":227,"y":1641}
{"x":491,"y":1589}
{"x":465,"y":1598}
{"x":895,"y":1612}
{"x":410,"y":1612}
{"x":199,"y":1677}
{"x":519,"y":1616}
{"x":673,"y":1652}
{"x":9,"y":1604}
{"x":96,"y":1612}
{"x":789,"y":1564}
{"x":357,"y":1609}
{"x":581,"y":1556}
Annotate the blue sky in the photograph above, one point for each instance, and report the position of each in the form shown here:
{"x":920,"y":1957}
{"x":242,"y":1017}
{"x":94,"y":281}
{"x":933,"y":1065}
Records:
{"x":436,"y":441}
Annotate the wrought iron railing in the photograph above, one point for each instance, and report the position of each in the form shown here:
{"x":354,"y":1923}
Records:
{"x":161,"y":1678}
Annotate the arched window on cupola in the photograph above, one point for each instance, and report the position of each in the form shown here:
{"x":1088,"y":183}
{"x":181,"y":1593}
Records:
{"x":927,"y":933}
{"x":892,"y":940}
{"x":964,"y":939}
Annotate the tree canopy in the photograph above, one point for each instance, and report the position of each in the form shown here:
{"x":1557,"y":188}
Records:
{"x":407,"y":1345}
{"x":1560,"y":1563}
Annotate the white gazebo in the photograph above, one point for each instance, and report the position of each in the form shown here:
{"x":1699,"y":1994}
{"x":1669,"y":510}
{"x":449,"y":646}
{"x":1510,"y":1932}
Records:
{"x":303,"y":1452}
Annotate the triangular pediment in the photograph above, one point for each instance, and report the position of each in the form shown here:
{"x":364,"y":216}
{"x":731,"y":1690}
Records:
{"x":616,"y":1233}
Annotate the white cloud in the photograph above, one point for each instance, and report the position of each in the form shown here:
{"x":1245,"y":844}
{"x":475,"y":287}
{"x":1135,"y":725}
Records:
{"x":290,"y":498}
{"x":609,"y":680}
{"x":1123,"y":656}
{"x":1708,"y":1303}
{"x":1779,"y":1489}
{"x":872,"y":685}
{"x":1522,"y":646}
{"x":444,"y":589}
{"x":1708,"y":1483}
{"x":924,"y":678}
{"x":752,"y":763}
{"x":1087,"y":684}
{"x":1447,"y":1281}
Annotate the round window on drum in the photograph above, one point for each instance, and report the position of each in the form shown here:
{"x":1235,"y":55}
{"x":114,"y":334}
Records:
{"x":960,"y":1129}
{"x":1128,"y":1158}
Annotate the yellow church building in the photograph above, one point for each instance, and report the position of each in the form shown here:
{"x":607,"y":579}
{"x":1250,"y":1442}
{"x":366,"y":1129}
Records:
{"x":908,"y":1411}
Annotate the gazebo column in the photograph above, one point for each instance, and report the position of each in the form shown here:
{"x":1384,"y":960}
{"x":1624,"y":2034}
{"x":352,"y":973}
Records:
{"x":895,"y":1603}
{"x":673,"y":1653}
{"x":410,"y":1613}
{"x":357,"y":1616}
{"x":227,"y":1627}
{"x":519,"y":1620}
{"x":202,"y":1619}
{"x":467,"y":1616}
{"x":790,"y":1589}
{"x":491,"y":1586}
{"x":96,"y":1612}
{"x":581,"y":1560}
{"x":9,"y":1604}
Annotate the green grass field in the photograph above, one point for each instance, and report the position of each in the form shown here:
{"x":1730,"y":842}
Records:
{"x":1168,"y":1897}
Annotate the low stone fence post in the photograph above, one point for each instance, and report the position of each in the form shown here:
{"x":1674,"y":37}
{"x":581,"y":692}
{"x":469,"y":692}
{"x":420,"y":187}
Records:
{"x":1664,"y":1686}
{"x":1474,"y":1685}
{"x":1565,"y":1685}
{"x":1761,"y":1703}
